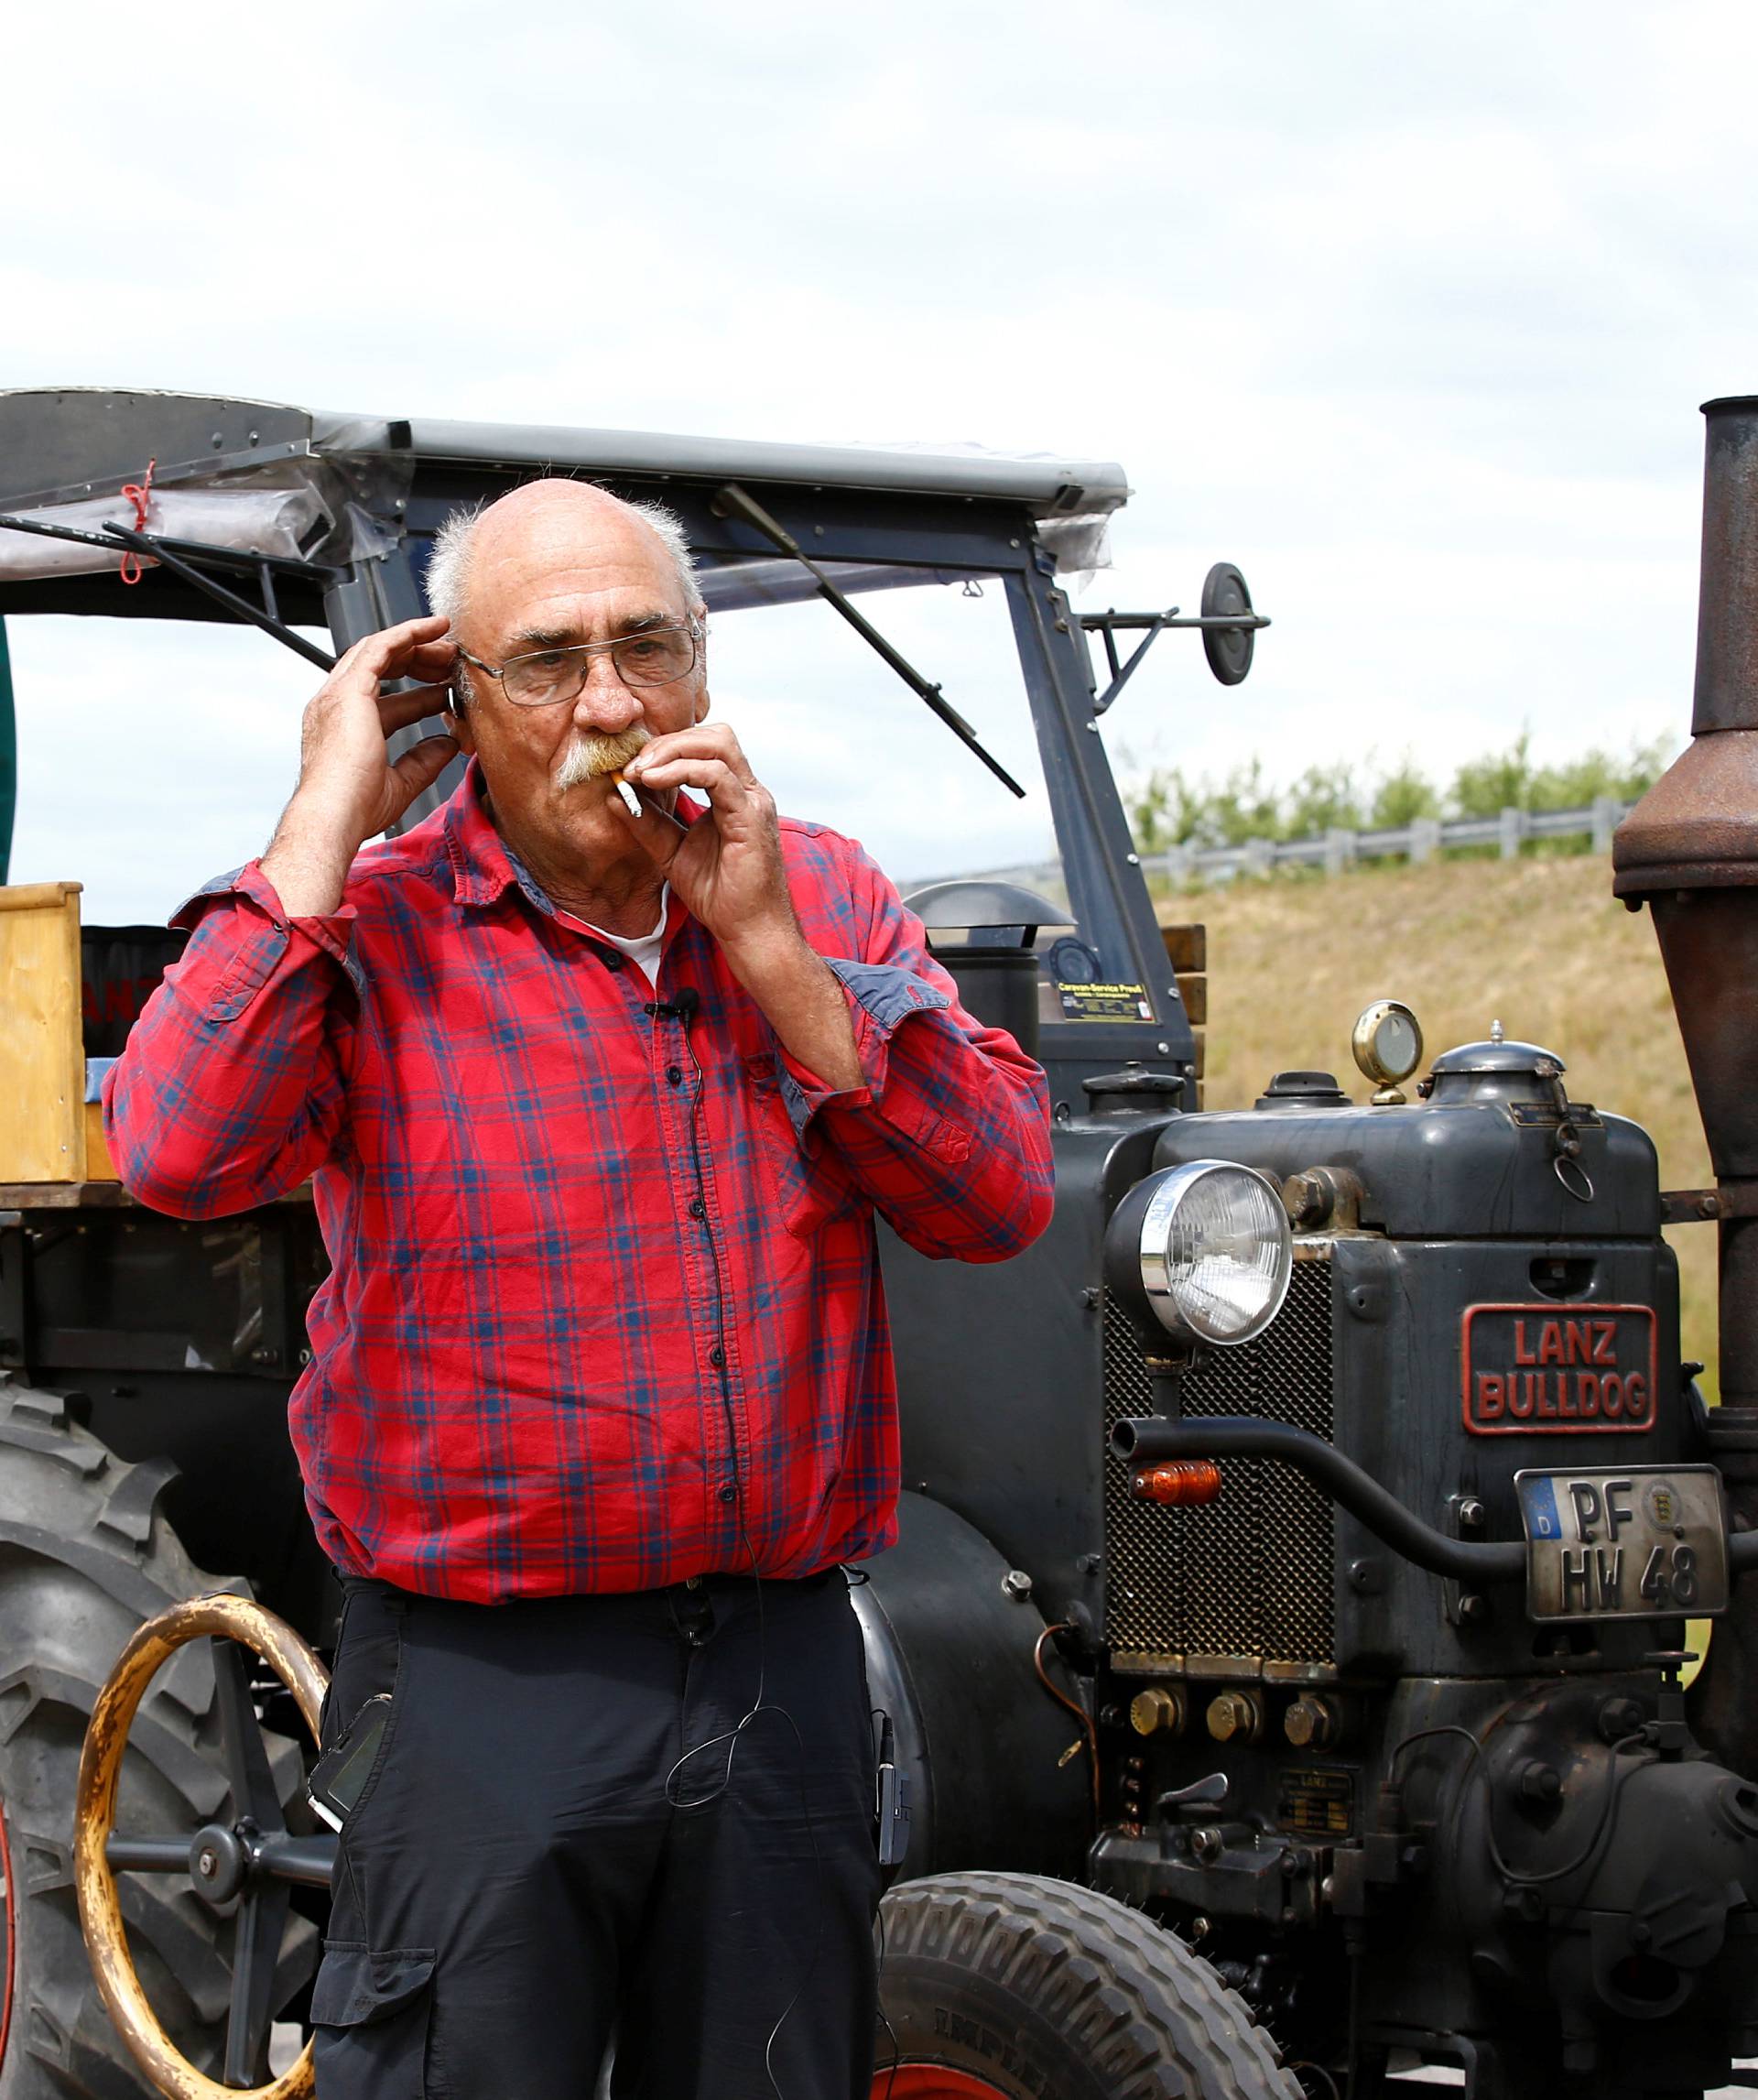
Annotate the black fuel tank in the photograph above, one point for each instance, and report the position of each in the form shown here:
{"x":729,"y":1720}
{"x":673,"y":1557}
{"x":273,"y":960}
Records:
{"x":1497,"y":1149}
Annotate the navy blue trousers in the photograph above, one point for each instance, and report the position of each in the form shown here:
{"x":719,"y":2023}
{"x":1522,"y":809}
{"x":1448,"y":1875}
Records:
{"x":563,"y":1845}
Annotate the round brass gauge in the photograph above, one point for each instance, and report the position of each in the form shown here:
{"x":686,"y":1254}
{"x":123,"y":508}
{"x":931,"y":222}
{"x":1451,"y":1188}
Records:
{"x":1387,"y":1046}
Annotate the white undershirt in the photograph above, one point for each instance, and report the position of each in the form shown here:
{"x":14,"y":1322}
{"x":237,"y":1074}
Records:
{"x":643,"y":949}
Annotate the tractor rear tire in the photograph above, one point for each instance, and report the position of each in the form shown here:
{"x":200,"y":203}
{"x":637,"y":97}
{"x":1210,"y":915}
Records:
{"x":84,"y":1557}
{"x":1011,"y":1987}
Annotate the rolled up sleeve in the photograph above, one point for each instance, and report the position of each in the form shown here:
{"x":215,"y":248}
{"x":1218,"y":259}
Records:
{"x":230,"y":1089}
{"x":949,"y":1134}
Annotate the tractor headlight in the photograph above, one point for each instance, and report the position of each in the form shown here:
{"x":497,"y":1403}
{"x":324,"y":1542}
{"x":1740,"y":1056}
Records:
{"x":1214,"y":1251}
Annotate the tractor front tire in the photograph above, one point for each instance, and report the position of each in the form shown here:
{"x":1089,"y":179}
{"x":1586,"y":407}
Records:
{"x":84,"y":1557}
{"x":1011,"y":1987}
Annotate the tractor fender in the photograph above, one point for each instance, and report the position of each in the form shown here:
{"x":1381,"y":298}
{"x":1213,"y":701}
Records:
{"x":981,"y":1742}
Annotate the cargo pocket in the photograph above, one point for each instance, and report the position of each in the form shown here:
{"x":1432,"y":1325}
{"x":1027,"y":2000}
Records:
{"x":369,"y":2014}
{"x":810,"y":1187}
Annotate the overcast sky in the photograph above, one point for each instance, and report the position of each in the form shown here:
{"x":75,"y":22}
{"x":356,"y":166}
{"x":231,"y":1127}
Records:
{"x":1409,"y":310}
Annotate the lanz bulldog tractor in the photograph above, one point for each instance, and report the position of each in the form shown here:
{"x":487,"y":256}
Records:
{"x":1283,"y":1662}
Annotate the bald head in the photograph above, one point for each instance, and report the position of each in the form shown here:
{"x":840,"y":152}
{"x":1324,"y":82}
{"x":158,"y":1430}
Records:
{"x":558,"y":526}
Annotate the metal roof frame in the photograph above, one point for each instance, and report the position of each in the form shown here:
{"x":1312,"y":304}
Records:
{"x":58,"y":442}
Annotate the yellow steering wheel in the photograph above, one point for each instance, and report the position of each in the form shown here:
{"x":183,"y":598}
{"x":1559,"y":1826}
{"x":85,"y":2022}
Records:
{"x":255,"y":1860}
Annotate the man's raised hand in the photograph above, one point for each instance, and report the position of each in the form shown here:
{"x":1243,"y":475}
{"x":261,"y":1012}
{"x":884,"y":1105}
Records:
{"x":727,"y":868}
{"x":728,"y":871}
{"x":349,"y":788}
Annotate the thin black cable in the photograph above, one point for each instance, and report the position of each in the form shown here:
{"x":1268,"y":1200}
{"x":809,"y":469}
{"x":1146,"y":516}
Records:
{"x":729,"y":1737}
{"x":1478,"y":1764}
{"x":1305,"y":2063}
{"x":1089,"y":1731}
{"x":817,"y":1889}
{"x":732,"y":1736}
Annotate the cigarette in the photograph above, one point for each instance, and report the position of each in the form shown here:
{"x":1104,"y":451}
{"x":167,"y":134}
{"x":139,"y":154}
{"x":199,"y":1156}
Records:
{"x":631,"y":801}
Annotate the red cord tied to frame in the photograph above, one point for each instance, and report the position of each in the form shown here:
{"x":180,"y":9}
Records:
{"x":140,"y":493}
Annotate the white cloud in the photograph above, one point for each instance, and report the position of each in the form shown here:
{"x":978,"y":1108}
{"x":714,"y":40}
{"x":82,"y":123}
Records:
{"x":1406,"y":311}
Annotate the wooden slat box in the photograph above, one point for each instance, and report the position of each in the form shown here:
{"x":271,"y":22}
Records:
{"x":49,"y":1131}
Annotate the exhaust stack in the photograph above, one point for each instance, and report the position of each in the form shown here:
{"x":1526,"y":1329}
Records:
{"x":1689,"y":850}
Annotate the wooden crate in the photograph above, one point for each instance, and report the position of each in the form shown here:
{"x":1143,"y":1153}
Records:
{"x":1187,"y":948}
{"x":48,"y":1131}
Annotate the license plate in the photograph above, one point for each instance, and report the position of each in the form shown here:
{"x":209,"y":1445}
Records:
{"x":1629,"y":1543}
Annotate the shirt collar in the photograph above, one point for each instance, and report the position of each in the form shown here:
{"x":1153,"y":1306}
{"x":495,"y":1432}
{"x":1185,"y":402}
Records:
{"x":485,"y":868}
{"x":482,"y":868}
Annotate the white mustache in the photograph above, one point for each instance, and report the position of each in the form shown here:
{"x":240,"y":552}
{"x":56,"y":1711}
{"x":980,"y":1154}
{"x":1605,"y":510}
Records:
{"x":591,"y":757}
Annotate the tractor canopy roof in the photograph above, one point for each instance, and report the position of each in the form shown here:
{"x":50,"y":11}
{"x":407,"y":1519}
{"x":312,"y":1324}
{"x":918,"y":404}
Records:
{"x":290,"y":497}
{"x":317,"y":527}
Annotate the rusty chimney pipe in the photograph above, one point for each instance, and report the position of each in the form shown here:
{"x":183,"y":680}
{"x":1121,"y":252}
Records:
{"x":1689,"y":850}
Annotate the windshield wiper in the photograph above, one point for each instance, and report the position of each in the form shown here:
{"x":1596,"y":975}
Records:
{"x":734,"y":501}
{"x":180,"y":556}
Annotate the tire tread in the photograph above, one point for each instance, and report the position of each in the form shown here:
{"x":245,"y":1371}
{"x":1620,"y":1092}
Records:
{"x":1106,"y":1975}
{"x":77,"y":1521}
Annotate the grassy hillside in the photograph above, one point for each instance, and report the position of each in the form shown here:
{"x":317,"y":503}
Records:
{"x":1540,"y":944}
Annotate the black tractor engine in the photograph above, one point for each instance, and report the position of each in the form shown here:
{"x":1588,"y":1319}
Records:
{"x":1379,"y":1598}
{"x":1385,"y":1720}
{"x":1341,"y":1472}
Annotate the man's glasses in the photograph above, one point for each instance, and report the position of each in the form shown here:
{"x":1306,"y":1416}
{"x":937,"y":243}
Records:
{"x":544,"y":677}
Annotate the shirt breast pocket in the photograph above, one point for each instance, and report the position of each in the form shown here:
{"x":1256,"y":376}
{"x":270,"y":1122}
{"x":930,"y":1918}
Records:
{"x":810,"y":1187}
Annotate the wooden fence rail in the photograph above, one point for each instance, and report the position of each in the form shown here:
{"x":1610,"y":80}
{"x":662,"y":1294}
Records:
{"x":1334,"y":850}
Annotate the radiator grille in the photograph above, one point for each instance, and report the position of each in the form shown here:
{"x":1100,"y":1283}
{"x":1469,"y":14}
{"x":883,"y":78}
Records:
{"x":1250,"y":1576}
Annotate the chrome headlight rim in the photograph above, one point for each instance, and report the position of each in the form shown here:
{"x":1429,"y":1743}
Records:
{"x":1155,"y":1246}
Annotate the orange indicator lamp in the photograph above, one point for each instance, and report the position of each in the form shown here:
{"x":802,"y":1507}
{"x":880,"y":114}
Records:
{"x":1178,"y":1482}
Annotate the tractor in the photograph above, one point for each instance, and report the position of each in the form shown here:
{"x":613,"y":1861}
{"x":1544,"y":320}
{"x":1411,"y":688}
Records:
{"x":1281,"y":1668}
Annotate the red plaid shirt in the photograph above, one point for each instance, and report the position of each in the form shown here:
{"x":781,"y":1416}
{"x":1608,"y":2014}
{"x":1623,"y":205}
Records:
{"x":605,"y":1302}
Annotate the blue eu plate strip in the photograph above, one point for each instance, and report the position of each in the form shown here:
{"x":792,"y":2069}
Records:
{"x":1538,"y":1508}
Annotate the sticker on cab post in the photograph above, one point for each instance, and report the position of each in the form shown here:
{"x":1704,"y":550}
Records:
{"x":1105,"y":1002}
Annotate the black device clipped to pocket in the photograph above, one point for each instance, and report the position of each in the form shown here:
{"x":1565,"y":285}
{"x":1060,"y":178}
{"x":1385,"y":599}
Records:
{"x":335,"y":1782}
{"x":891,"y":1807}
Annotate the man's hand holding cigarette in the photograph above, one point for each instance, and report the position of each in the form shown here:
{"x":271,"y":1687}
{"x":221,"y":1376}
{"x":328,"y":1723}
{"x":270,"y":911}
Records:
{"x":728,"y":872}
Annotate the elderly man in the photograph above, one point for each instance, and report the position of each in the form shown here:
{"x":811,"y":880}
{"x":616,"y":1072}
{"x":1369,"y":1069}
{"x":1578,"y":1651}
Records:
{"x":598,"y":1105}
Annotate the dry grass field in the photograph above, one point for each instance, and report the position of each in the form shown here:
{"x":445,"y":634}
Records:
{"x":1540,"y":944}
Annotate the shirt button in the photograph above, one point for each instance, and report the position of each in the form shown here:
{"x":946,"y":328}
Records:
{"x":611,"y":959}
{"x":726,"y":1491}
{"x":675,"y":1073}
{"x":698,"y":1208}
{"x":717,"y":1356}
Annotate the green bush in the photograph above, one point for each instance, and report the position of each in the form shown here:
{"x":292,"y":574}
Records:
{"x":1402,"y":796}
{"x":1167,"y":807}
{"x":1324,"y":798}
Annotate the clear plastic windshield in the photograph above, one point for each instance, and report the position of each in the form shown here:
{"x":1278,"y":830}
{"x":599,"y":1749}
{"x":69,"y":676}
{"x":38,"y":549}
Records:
{"x":153,"y":756}
{"x":838,"y":736}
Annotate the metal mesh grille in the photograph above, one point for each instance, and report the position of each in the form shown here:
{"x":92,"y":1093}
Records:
{"x":1252,"y":1575}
